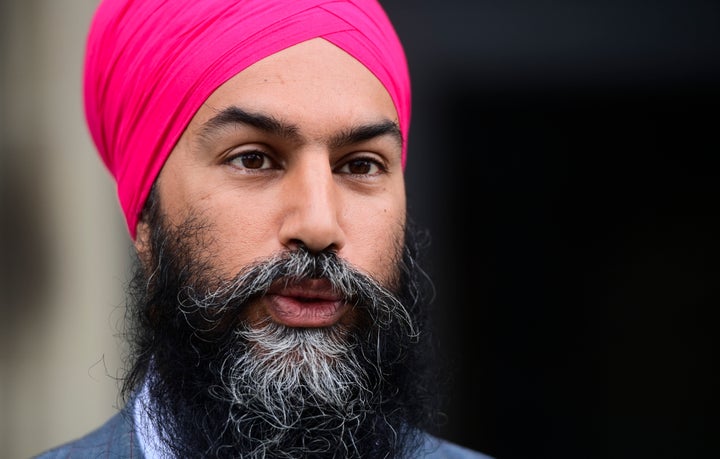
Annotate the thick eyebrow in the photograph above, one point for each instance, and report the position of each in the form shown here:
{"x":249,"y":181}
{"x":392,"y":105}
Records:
{"x":233,"y":116}
{"x":366,"y":132}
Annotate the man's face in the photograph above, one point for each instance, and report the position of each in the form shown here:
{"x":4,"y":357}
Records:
{"x":300,"y":149}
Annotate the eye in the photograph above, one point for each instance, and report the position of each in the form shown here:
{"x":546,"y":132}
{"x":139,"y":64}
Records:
{"x":254,"y":160}
{"x":362,"y":166}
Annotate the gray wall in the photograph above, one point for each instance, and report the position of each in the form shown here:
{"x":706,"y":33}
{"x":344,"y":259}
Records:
{"x":63,"y":249}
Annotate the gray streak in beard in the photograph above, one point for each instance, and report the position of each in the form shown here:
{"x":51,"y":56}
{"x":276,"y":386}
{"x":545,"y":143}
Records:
{"x":286,"y":370}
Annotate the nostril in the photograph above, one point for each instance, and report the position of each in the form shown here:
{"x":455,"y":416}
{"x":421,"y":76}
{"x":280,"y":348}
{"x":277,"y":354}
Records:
{"x":298,"y":244}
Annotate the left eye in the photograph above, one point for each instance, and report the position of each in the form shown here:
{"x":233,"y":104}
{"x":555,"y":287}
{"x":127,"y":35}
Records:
{"x":251,"y":160}
{"x":361,"y":166}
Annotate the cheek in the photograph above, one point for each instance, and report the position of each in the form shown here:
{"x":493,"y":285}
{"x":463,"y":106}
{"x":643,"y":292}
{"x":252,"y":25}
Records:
{"x":241,"y":232}
{"x":375,"y":242}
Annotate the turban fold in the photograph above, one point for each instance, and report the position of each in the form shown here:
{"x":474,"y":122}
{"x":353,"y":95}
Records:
{"x":150,"y":65}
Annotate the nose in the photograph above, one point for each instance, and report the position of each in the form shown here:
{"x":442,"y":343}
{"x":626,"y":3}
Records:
{"x":312,"y":207}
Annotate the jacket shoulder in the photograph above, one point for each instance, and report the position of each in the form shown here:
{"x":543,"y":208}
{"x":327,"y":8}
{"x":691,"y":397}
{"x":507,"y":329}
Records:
{"x":436,"y":448}
{"x":116,"y":438}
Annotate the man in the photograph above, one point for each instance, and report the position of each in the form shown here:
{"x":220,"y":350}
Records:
{"x":259,"y":148}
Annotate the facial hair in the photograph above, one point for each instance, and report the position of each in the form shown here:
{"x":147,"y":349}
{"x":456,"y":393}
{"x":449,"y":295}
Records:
{"x":220,"y":386}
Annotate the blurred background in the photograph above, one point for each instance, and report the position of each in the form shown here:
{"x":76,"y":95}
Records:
{"x":562,"y":155}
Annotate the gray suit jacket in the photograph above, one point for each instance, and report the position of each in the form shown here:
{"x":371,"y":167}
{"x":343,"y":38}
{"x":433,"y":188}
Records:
{"x":117,"y":439}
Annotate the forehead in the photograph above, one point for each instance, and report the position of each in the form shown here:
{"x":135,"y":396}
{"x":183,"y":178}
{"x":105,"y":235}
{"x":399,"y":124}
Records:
{"x":311,"y":82}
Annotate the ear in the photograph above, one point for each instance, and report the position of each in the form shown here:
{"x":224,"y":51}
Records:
{"x":142,"y":240}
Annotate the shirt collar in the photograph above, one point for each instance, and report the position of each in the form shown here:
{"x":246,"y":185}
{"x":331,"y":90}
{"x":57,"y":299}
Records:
{"x":150,"y":442}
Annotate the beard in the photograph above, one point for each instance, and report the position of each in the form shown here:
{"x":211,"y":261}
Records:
{"x":220,"y":384}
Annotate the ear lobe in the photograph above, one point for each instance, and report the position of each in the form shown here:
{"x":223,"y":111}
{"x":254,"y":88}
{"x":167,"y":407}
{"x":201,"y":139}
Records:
{"x":142,"y":240}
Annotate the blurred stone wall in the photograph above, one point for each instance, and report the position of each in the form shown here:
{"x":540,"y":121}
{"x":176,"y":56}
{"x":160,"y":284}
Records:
{"x":64,"y":253}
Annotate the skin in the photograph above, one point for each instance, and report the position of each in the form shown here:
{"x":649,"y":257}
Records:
{"x":301,"y":148}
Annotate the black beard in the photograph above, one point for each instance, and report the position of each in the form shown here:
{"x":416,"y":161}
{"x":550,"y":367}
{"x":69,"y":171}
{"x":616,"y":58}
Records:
{"x":219,"y":387}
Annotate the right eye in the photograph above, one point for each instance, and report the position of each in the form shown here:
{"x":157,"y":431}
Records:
{"x":252,"y":160}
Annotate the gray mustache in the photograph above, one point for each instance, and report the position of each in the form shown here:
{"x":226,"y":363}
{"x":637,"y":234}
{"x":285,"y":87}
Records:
{"x":355,"y":288}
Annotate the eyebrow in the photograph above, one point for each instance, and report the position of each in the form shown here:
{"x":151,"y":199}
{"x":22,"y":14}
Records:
{"x":362,"y":133}
{"x":233,"y":116}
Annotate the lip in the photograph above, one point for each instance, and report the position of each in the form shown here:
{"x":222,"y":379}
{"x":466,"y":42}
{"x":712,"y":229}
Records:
{"x":309,"y":304}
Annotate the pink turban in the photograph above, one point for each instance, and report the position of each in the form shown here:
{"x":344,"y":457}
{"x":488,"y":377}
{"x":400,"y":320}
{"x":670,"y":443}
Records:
{"x":150,"y":64}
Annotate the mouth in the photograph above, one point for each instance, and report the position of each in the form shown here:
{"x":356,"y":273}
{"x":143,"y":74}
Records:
{"x":306,"y":304}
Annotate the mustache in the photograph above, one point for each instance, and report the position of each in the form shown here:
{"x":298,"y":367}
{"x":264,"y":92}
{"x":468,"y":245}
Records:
{"x":293,"y":267}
